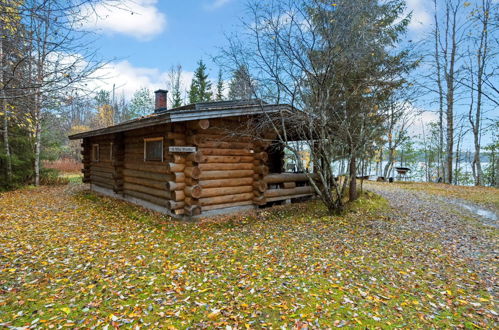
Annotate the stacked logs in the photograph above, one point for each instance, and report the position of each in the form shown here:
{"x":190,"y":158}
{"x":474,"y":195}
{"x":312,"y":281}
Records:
{"x":117,"y":161}
{"x":289,"y":188}
{"x":261,"y":170}
{"x":224,"y":167}
{"x":86,"y":159}
{"x":145,"y":180}
{"x":101,"y":170}
{"x":176,"y":183}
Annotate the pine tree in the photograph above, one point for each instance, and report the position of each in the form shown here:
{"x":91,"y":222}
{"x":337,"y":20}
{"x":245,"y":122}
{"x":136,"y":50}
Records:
{"x":220,"y":86}
{"x":201,"y":86}
{"x":240,"y":87}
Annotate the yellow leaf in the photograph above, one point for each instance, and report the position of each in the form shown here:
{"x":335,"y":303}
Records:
{"x":66,"y":310}
{"x":213,"y":315}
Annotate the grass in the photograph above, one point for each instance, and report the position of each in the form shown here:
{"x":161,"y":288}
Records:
{"x":71,"y":258}
{"x":485,"y":196}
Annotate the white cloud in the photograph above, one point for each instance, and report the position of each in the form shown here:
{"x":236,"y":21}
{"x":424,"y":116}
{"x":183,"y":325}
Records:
{"x":128,"y":78}
{"x":138,"y":18}
{"x":217,"y":4}
{"x":421,"y":18}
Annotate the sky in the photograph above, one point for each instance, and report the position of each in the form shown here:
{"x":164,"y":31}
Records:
{"x":145,"y":38}
{"x":144,"y":45}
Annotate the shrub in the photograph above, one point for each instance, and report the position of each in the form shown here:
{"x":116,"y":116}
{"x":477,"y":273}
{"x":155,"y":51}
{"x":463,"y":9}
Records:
{"x":51,"y":177}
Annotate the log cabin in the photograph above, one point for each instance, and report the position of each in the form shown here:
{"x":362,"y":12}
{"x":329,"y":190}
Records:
{"x":188,"y":162}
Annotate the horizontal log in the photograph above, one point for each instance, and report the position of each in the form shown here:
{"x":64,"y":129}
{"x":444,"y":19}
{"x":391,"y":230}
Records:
{"x":286,"y":177}
{"x":193,"y":191}
{"x":179,"y":142}
{"x":226,"y":152}
{"x":287,"y":192}
{"x":174,"y":205}
{"x":178,"y":177}
{"x":177,"y":195}
{"x":146,"y":182}
{"x":175,"y":135}
{"x":101,"y":173}
{"x":96,"y":178}
{"x":288,"y":197}
{"x":171,"y":185}
{"x":217,"y":183}
{"x":161,"y":177}
{"x":174,"y":167}
{"x":104,"y":167}
{"x":225,"y":199}
{"x":226,"y":145}
{"x":101,"y":184}
{"x":227,"y":159}
{"x":225,"y":166}
{"x":211,"y":192}
{"x":210,"y":175}
{"x":225,"y":205}
{"x":147,"y":167}
{"x":146,"y":197}
{"x":147,"y":190}
{"x":288,"y":185}
{"x":199,"y":124}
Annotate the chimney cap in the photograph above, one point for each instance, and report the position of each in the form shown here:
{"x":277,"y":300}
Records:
{"x":161,"y":91}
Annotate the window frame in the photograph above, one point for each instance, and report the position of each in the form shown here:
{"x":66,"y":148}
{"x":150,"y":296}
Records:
{"x":95,"y":147}
{"x":153,"y":140}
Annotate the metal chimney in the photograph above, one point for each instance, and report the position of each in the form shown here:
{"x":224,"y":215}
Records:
{"x":160,"y":104}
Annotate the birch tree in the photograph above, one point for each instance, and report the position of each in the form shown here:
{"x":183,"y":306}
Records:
{"x":338,"y":62}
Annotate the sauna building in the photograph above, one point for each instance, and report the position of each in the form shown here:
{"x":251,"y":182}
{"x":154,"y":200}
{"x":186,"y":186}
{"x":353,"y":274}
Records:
{"x":191,"y":161}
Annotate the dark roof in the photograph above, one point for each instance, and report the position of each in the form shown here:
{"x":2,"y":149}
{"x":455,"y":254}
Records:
{"x":205,"y":110}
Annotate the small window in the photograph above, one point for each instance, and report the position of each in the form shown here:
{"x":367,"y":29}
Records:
{"x":153,"y":149}
{"x":95,"y":152}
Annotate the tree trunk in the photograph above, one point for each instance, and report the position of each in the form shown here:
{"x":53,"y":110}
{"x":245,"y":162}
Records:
{"x":38,"y":137}
{"x":352,"y":194}
{"x":441,"y":171}
{"x":4,"y":110}
{"x":389,"y":164}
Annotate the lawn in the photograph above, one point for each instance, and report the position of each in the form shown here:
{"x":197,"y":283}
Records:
{"x":71,"y":258}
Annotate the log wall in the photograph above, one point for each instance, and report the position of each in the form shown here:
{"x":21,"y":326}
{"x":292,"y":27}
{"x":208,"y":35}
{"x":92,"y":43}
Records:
{"x":225,"y":171}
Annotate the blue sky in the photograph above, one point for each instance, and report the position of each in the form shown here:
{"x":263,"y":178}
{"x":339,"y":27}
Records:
{"x":144,"y":45}
{"x":159,"y":34}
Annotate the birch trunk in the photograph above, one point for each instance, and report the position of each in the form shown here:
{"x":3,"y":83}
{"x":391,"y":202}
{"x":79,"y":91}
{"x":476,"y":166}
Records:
{"x":38,"y":137}
{"x":4,"y":110}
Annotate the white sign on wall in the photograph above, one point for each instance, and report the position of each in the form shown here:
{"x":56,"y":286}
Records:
{"x":181,"y":149}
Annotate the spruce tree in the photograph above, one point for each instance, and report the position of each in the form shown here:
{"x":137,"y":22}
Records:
{"x":200,"y":86}
{"x":220,"y":86}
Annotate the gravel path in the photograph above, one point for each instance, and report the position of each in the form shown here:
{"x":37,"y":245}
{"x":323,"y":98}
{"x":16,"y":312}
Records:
{"x":457,"y":226}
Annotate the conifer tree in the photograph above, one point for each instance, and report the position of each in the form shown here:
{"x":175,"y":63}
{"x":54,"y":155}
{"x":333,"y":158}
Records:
{"x":200,"y":90}
{"x":220,"y":86}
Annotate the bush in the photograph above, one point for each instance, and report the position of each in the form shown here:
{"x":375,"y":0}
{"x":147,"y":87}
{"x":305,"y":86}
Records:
{"x":51,"y":177}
